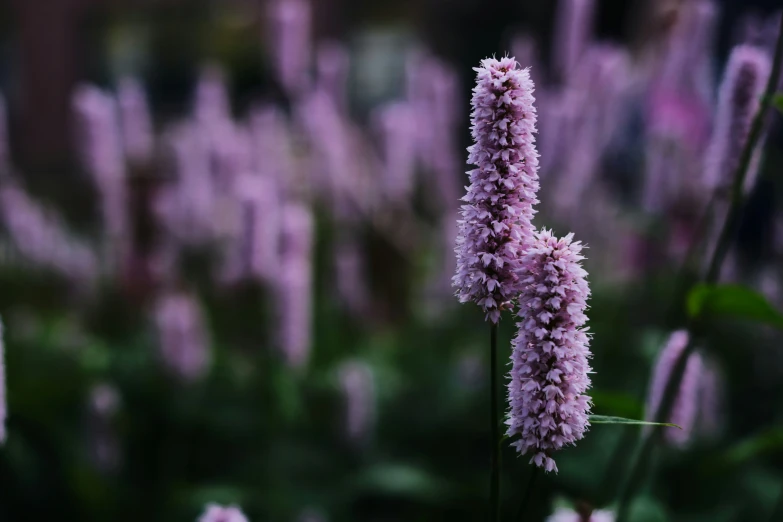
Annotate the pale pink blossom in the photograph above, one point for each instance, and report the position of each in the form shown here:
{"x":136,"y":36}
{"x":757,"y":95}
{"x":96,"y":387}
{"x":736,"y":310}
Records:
{"x":549,"y":376}
{"x":495,"y":226}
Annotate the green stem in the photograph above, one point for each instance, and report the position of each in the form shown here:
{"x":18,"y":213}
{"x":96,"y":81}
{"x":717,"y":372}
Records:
{"x":528,"y":493}
{"x":616,"y":464}
{"x":636,"y":477}
{"x":737,"y":192}
{"x":777,"y":511}
{"x":494,"y":482}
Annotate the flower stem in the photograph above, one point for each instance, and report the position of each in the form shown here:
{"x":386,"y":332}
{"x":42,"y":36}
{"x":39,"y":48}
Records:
{"x":494,"y":482}
{"x":636,"y":476}
{"x":528,"y":493}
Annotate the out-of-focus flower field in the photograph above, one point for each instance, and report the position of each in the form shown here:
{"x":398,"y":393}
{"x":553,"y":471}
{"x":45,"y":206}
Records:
{"x":227,"y":249}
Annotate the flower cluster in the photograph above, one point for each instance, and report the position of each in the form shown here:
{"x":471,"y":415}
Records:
{"x":549,"y":375}
{"x":496,"y":224}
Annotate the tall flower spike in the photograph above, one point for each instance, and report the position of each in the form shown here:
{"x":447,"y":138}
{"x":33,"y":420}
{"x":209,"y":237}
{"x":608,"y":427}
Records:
{"x":738,"y":99}
{"x":217,"y":513}
{"x":183,"y":338}
{"x":294,"y":283}
{"x":290,"y":27}
{"x":549,"y":374}
{"x":135,"y":119}
{"x":102,"y":154}
{"x":574,"y":28}
{"x":496,"y":219}
{"x":684,"y":411}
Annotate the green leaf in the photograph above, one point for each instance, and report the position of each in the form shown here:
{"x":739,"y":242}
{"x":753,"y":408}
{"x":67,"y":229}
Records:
{"x":765,"y":443}
{"x":777,"y":101}
{"x":604,"y":419}
{"x":732,"y":300}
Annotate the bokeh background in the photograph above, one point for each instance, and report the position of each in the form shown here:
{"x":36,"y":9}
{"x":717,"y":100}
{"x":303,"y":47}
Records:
{"x":226,"y":250}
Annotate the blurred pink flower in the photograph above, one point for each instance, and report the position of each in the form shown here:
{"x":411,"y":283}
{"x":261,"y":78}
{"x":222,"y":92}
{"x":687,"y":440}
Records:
{"x":358,"y":387}
{"x":685,"y":407}
{"x":289,"y":24}
{"x":182,"y":335}
{"x":569,"y":515}
{"x":217,"y":513}
{"x":136,"y":121}
{"x":294,"y":284}
{"x":743,"y":82}
{"x":574,"y":28}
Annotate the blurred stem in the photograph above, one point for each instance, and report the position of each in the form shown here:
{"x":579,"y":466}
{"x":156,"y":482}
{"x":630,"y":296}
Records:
{"x":636,"y":476}
{"x":494,"y":482}
{"x":616,"y":464}
{"x":737,"y":189}
{"x":528,"y":492}
{"x":777,"y":511}
{"x":684,"y":275}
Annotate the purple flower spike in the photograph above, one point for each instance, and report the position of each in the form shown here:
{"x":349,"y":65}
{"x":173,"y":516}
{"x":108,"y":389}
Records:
{"x":332,"y":67}
{"x":496,"y":219}
{"x":396,"y":125}
{"x":184,"y":341}
{"x":549,"y":374}
{"x":135,"y":119}
{"x":217,"y":513}
{"x":212,"y":104}
{"x":684,"y":411}
{"x":289,"y":25}
{"x":574,"y":28}
{"x":294,"y":283}
{"x":738,"y":99}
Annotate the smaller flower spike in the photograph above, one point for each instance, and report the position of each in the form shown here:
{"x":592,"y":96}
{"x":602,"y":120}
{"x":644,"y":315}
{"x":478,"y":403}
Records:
{"x":549,"y":374}
{"x":496,"y":220}
{"x":738,"y":99}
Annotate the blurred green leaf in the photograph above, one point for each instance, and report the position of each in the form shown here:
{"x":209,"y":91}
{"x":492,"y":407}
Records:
{"x":288,"y":395}
{"x":95,"y":358}
{"x":401,"y":480}
{"x":777,"y":101}
{"x":764,"y":443}
{"x":604,"y":419}
{"x":734,"y":300}
{"x":647,"y":509}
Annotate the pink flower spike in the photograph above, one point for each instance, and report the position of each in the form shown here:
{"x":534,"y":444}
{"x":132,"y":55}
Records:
{"x":495,"y":225}
{"x":548,"y":408}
